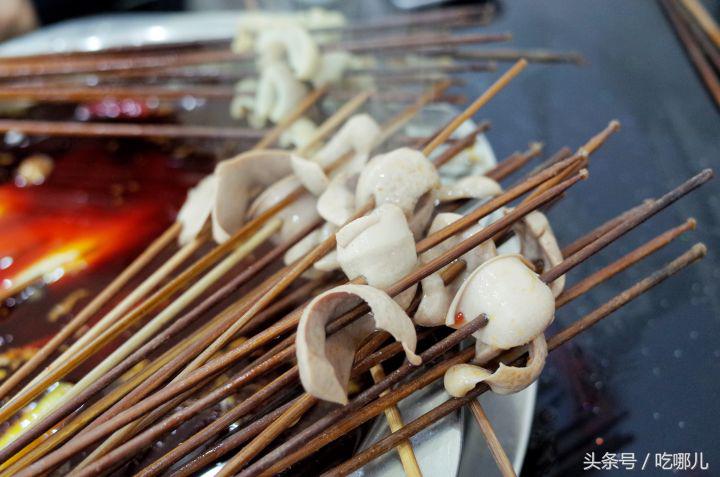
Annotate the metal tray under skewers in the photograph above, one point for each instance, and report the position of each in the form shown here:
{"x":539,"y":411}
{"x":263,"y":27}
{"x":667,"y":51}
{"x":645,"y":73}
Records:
{"x":451,"y":447}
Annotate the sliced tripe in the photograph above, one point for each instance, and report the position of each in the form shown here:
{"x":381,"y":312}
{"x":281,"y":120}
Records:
{"x":538,"y":243}
{"x":238,"y":180}
{"x":298,"y":134}
{"x":378,"y":247}
{"x":325,"y":363}
{"x":278,"y":92}
{"x":197,"y":209}
{"x":470,"y":187}
{"x":358,"y":134}
{"x":519,"y":305}
{"x":400,"y":177}
{"x":461,"y":378}
{"x":337,"y":203}
{"x":291,"y":43}
{"x":310,"y":174}
{"x":331,"y":68}
{"x":436,"y":298}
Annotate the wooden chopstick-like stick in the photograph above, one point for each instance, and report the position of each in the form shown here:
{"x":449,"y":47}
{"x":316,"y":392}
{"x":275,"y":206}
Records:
{"x":706,"y":21}
{"x":384,"y":445}
{"x":496,"y":449}
{"x":707,"y":74}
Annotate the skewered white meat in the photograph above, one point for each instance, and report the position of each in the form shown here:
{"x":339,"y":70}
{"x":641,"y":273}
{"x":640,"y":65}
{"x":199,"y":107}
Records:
{"x":401,"y":177}
{"x":296,"y":216}
{"x":325,"y":363}
{"x":310,"y":174}
{"x":197,"y":208}
{"x":359,"y":134}
{"x":292,"y":44}
{"x":331,"y":68}
{"x":461,"y":378}
{"x":538,"y":243}
{"x":378,"y":247}
{"x":470,"y":187}
{"x":298,"y":134}
{"x":238,"y":181}
{"x":519,"y":305}
{"x":436,"y":296}
{"x":337,"y":203}
{"x":278,"y":93}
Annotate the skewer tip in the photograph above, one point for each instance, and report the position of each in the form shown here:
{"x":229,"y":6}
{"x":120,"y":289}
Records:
{"x":692,"y":223}
{"x":699,"y":250}
{"x":536,"y":147}
{"x":614,"y":125}
{"x":583,"y":174}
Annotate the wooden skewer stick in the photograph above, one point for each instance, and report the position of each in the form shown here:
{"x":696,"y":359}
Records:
{"x":431,"y":375}
{"x":31,"y":127}
{"x":496,"y":449}
{"x":516,"y":161}
{"x":384,"y":445}
{"x":56,"y":372}
{"x":151,"y":402}
{"x":706,"y":44}
{"x":696,"y":56}
{"x":706,"y":21}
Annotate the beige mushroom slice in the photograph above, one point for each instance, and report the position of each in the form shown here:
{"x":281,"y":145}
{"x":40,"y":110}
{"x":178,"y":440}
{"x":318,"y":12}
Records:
{"x":197,"y":209}
{"x":461,"y":378}
{"x":378,"y":247}
{"x":337,"y":203}
{"x":310,"y":174}
{"x":238,"y":180}
{"x":297,"y":216}
{"x":436,"y":297}
{"x":359,"y":134}
{"x":519,"y":305}
{"x":470,"y":187}
{"x":291,"y":43}
{"x":538,"y":244}
{"x":299,"y":134}
{"x":325,"y":363}
{"x":400,"y":177}
{"x":278,"y":92}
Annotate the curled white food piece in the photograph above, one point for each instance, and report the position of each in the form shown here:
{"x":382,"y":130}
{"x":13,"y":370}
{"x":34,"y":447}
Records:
{"x":197,"y":208}
{"x":310,"y":174}
{"x":299,"y":134}
{"x":293,"y":44}
{"x":519,"y":305}
{"x":538,"y":244}
{"x":359,"y":135}
{"x":470,"y":187}
{"x":238,"y":181}
{"x":378,"y":247}
{"x":337,"y":203}
{"x":436,"y":299}
{"x":325,"y":363}
{"x":296,"y":216}
{"x":277,"y":94}
{"x":307,"y":244}
{"x":400,"y":177}
{"x":461,"y":378}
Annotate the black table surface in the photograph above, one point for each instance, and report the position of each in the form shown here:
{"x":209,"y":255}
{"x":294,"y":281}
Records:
{"x":644,"y":381}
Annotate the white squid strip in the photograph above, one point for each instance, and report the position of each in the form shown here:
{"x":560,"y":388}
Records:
{"x":325,"y":364}
{"x":519,"y":305}
{"x":310,"y":174}
{"x":400,"y":177}
{"x":197,"y":208}
{"x":538,"y":242}
{"x":337,"y":203}
{"x":332,"y":68}
{"x":470,"y":187}
{"x":461,"y":378}
{"x":379,"y":247}
{"x":299,"y":134}
{"x":291,"y":43}
{"x":238,"y":179}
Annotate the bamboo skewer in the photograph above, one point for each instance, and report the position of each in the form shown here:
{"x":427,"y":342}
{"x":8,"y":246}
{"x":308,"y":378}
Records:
{"x":55,"y":372}
{"x":706,"y":44}
{"x":496,"y":449}
{"x":706,"y":72}
{"x":705,"y":20}
{"x":379,"y":448}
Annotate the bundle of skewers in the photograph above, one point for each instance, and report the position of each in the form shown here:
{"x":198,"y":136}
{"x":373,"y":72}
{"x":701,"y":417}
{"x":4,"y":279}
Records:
{"x":699,"y":34}
{"x":314,"y":286}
